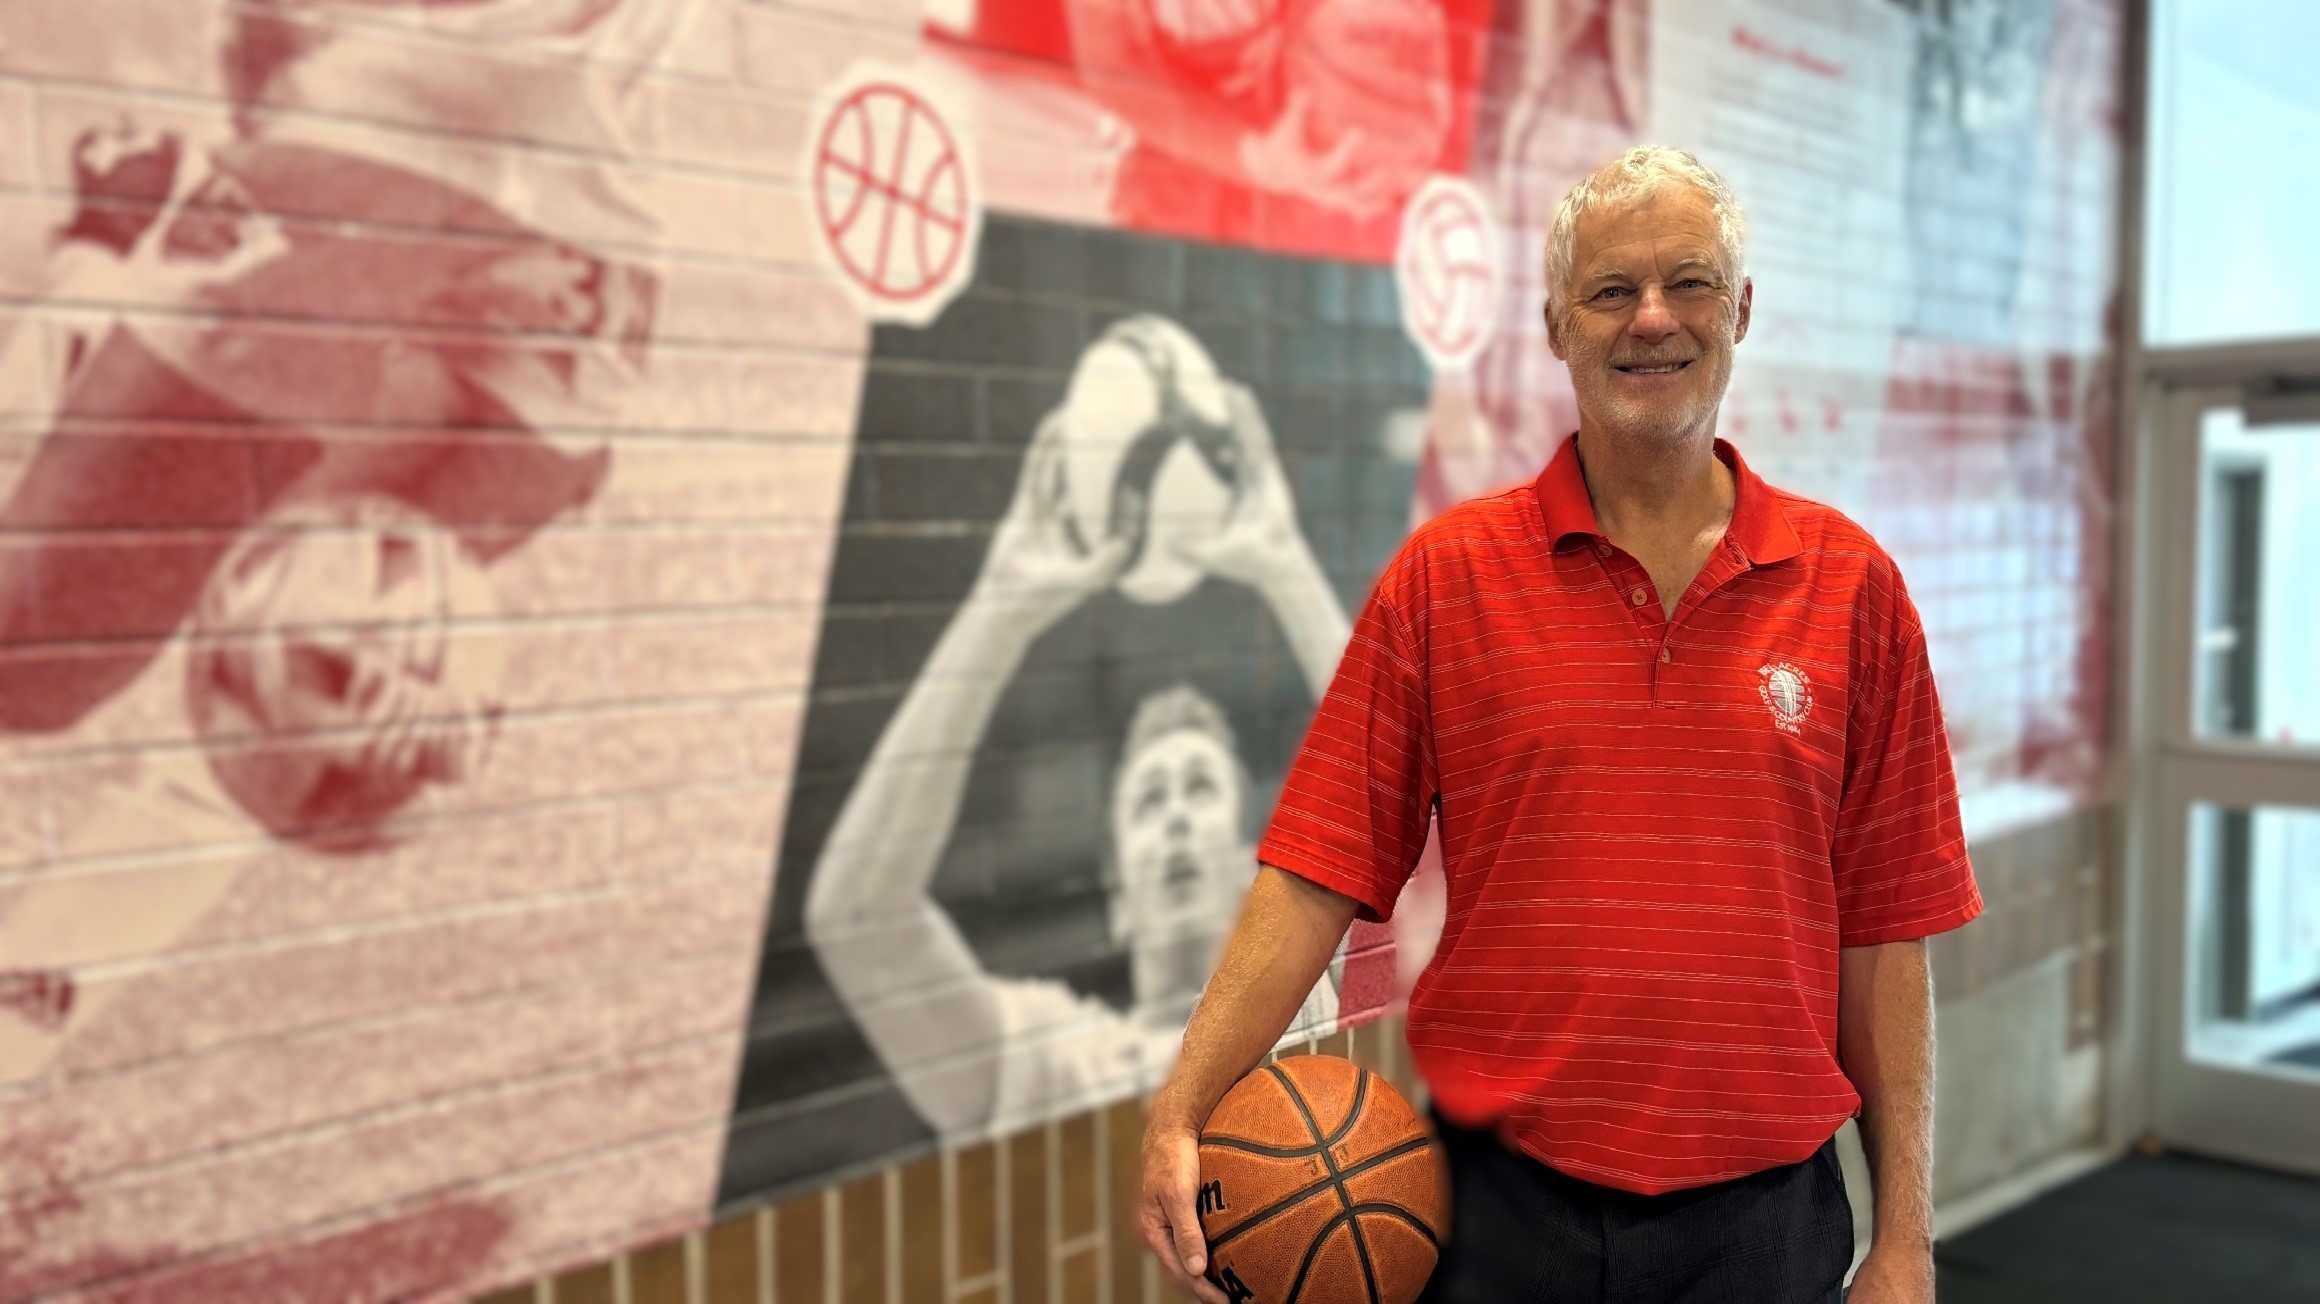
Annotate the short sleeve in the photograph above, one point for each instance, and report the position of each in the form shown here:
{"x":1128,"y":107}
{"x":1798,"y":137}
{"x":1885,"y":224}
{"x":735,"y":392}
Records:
{"x":1900,"y":850}
{"x":1353,"y":810}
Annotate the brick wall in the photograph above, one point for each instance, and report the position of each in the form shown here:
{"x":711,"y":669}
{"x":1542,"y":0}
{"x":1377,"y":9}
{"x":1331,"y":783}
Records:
{"x":472,"y":502}
{"x":1045,"y":1215}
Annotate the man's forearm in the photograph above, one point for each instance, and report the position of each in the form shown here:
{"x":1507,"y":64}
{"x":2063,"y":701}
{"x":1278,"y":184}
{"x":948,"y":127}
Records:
{"x":1885,"y":1040}
{"x":1288,"y":931}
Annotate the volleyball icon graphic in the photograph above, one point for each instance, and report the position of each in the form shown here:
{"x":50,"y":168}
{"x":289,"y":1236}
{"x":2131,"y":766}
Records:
{"x":893,"y":194}
{"x":1446,"y":269}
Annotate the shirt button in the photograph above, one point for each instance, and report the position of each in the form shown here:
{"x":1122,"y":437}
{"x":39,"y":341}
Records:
{"x":1637,"y":595}
{"x":1666,"y":656}
{"x":1602,"y":549}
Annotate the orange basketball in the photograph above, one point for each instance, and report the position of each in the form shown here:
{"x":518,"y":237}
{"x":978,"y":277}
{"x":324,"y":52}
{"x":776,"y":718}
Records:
{"x":1318,"y":1185}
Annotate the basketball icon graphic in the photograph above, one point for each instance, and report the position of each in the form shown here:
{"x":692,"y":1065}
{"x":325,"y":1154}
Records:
{"x":893,"y":194}
{"x":1446,"y":269}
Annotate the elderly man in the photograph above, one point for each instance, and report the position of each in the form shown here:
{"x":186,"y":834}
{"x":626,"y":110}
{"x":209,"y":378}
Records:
{"x":1697,"y":817}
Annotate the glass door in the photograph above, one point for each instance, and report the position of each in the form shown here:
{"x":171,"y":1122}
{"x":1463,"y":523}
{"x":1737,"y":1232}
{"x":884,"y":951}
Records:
{"x":2229,"y":790}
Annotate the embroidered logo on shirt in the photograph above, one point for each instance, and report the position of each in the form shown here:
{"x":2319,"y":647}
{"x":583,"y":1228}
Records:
{"x":1788,"y":691}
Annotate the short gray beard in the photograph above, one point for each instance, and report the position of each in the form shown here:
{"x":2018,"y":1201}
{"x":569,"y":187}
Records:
{"x":1648,"y":429}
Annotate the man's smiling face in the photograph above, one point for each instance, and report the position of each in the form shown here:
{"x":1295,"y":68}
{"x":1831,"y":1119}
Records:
{"x":1650,"y":316}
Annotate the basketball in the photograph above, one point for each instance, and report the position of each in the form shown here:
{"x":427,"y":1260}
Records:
{"x":1144,"y":401}
{"x":1318,"y":1185}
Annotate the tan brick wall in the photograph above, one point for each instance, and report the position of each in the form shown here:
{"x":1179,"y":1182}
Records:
{"x":1043,"y":1217}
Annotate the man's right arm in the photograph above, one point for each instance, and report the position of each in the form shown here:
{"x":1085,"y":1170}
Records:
{"x":1288,"y":931}
{"x":1352,"y":818}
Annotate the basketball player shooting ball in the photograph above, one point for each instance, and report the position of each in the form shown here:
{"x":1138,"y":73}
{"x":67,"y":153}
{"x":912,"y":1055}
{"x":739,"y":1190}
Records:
{"x":1697,"y":817}
{"x":1154,"y":473}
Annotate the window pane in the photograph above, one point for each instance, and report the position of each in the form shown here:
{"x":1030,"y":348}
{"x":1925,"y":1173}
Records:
{"x":2235,"y":124}
{"x":2254,"y":918}
{"x":2259,"y":594}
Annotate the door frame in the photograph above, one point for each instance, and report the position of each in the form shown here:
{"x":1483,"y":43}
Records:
{"x":2265,"y":1118}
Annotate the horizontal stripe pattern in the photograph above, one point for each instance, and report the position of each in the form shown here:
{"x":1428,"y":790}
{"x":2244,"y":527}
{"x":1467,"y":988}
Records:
{"x":1657,"y":833}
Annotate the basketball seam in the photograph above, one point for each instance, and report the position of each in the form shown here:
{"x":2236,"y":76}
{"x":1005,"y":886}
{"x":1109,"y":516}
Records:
{"x":1360,"y":1094}
{"x":1352,"y":1214}
{"x":1383,"y":1157}
{"x":1345,"y":1198}
{"x":1399,"y":1214}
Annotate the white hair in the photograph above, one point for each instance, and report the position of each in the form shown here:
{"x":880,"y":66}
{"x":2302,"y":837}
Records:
{"x":1639,"y":172}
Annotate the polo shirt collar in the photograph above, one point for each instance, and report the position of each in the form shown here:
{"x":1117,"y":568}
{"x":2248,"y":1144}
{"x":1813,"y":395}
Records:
{"x":1760,"y":525}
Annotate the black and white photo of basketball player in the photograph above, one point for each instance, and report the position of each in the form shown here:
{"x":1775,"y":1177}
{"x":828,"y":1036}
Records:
{"x":1154,"y":473}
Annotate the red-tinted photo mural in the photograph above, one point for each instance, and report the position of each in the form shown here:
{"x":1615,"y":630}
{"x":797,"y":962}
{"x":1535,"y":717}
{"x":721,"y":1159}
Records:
{"x":1294,"y":125}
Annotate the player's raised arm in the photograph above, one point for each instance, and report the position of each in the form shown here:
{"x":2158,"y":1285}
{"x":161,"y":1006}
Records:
{"x":897,"y":960}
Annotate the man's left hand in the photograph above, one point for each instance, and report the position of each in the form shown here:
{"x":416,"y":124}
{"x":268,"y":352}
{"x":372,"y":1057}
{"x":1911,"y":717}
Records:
{"x":1893,"y":1277}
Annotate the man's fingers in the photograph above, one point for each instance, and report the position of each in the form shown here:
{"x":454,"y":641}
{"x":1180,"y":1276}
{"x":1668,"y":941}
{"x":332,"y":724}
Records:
{"x":1160,"y":1238}
{"x":1191,"y":1246}
{"x":1171,"y":1230}
{"x":1168,"y":1214}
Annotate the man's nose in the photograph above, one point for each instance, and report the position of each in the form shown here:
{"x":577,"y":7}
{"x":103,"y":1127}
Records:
{"x":1652,"y":321}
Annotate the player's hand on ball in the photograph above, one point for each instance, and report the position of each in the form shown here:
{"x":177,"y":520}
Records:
{"x":1168,"y":1211}
{"x":1260,"y":542}
{"x":1036,"y":565}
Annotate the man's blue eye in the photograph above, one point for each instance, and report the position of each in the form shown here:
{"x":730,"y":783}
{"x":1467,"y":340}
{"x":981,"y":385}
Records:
{"x":1609,"y":290}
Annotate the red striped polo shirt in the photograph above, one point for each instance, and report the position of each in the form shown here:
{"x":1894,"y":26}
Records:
{"x":1656,"y":832}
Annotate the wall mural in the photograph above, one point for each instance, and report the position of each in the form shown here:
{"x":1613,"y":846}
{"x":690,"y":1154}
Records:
{"x":1096,"y":566}
{"x":1279,"y":124}
{"x":403,"y":555}
{"x":612,"y":608}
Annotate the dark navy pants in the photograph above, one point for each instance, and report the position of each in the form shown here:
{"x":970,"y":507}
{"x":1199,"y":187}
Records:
{"x":1523,"y":1233}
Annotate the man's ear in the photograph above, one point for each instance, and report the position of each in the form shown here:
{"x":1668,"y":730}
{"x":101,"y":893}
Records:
{"x":1747,"y":302}
{"x":1554,"y":331}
